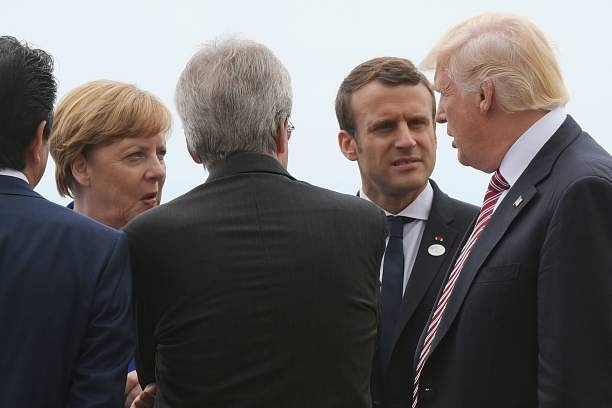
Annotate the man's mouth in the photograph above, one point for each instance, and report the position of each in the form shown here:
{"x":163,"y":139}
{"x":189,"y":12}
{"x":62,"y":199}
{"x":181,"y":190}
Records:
{"x":150,"y":199}
{"x":403,"y":162}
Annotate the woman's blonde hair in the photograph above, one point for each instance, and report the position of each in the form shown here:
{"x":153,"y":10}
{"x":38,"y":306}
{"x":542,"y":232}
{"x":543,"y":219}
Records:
{"x":99,"y":113}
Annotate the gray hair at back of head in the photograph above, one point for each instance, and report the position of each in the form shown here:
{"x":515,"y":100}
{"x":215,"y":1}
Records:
{"x":508,"y":50}
{"x":230,"y":97}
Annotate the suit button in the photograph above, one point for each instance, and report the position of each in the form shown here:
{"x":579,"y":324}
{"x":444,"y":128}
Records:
{"x":427,"y":394}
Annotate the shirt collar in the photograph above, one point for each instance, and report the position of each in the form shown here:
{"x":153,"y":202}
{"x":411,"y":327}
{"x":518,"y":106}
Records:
{"x":14,"y":173}
{"x":525,"y":148}
{"x":418,"y":209}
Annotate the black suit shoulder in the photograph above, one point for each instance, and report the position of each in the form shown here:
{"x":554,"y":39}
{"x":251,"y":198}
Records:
{"x":206,"y":200}
{"x":286,"y":273}
{"x":458,"y":212}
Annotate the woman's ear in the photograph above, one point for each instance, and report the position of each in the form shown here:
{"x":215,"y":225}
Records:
{"x":80,"y":170}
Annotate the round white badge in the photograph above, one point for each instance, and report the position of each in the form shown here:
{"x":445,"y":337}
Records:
{"x":436,"y":250}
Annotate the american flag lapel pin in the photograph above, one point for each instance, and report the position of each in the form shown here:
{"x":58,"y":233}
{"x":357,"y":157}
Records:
{"x":518,"y":201}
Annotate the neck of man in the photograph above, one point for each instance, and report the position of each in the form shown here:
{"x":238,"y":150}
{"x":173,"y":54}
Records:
{"x":392,"y":203}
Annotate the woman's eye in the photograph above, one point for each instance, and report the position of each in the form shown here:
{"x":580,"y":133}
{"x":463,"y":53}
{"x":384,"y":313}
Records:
{"x":134,"y":156}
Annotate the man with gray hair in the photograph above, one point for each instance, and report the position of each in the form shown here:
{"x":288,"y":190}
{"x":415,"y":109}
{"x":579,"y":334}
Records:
{"x":253,"y":289}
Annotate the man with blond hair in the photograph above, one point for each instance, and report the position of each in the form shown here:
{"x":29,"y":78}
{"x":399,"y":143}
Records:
{"x":524,"y":318}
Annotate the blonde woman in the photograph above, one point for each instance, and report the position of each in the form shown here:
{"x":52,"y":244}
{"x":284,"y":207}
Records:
{"x":108,"y":141}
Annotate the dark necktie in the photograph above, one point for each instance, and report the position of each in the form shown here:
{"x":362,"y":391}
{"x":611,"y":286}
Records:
{"x":392,"y":282}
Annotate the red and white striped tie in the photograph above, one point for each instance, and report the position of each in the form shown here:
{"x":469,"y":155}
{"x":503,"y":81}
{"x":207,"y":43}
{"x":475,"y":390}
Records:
{"x":496,"y":187}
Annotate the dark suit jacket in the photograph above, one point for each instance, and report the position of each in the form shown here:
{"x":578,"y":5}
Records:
{"x":448,"y":219}
{"x":257,"y":290}
{"x":529,"y":323}
{"x":65,"y":290}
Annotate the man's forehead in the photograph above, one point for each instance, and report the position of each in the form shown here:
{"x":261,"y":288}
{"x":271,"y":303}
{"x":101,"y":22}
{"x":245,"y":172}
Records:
{"x":441,"y":79}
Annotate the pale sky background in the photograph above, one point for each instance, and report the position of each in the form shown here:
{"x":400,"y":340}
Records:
{"x":148,"y":43}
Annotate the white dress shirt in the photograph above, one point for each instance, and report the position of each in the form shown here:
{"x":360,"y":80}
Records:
{"x":413,"y":231}
{"x":522,"y":152}
{"x":14,"y":173}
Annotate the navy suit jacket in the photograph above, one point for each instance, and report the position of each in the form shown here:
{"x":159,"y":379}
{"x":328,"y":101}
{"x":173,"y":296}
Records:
{"x":529,"y":323}
{"x":448,"y":221}
{"x":65,"y":290}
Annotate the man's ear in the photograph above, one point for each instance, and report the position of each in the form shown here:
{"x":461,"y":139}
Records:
{"x":348,"y":145}
{"x":282,"y":141}
{"x":36,"y":150}
{"x":195,"y":156}
{"x":487,"y":94}
{"x":36,"y":155}
{"x":80,"y":171}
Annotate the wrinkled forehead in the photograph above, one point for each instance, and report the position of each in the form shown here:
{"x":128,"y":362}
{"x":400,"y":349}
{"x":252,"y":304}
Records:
{"x":441,"y":77}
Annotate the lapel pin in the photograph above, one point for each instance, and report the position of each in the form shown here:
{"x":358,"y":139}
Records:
{"x":518,"y":201}
{"x":439,"y":238}
{"x":436,"y":250}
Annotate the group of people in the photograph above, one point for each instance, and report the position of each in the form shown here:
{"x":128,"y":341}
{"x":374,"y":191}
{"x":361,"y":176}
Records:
{"x":255,"y":289}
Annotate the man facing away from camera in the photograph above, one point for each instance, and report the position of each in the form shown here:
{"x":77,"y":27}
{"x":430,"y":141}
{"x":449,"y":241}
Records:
{"x":254,"y":289}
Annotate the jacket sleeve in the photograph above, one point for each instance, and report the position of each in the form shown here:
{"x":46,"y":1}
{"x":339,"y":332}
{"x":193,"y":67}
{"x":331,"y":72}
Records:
{"x":575,"y":299}
{"x":144,"y":303}
{"x":100,"y":372}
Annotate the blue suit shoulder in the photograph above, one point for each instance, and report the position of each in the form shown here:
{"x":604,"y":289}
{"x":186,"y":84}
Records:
{"x":71,"y":283}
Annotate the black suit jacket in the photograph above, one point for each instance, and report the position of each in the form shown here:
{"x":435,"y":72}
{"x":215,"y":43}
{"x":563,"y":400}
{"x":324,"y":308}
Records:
{"x":65,"y":291}
{"x":257,"y":290}
{"x":529,"y":323}
{"x":448,"y":221}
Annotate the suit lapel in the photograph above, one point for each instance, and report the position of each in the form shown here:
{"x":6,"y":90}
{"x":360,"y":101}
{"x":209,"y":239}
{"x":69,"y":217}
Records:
{"x":427,"y":266}
{"x":514,"y":203}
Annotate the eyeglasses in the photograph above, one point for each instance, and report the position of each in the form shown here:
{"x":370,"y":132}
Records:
{"x":290,"y":128}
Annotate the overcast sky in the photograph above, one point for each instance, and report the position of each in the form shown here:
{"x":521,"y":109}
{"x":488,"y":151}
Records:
{"x":148,"y":43}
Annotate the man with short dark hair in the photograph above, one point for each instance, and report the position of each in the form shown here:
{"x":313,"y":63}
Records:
{"x":386,"y":111}
{"x":253,"y":289}
{"x":64,"y":280}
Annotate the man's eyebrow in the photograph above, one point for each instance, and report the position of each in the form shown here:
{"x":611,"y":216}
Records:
{"x":419,"y":118}
{"x":379,"y":122}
